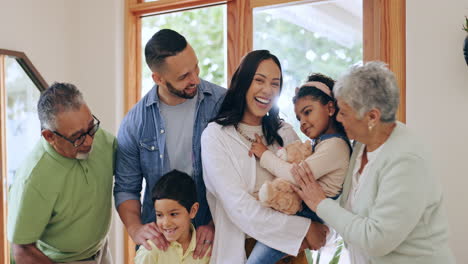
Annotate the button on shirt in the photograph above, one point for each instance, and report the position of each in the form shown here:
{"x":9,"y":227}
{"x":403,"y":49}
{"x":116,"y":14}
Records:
{"x":173,"y":255}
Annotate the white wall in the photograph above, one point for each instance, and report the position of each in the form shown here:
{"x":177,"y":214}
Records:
{"x":96,"y":44}
{"x":437,"y":101}
{"x":41,"y":30}
{"x":97,"y":57}
{"x":72,"y":41}
{"x":79,"y":42}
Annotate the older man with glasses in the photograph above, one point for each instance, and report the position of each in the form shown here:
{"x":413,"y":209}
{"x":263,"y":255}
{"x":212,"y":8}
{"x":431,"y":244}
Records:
{"x":60,"y":203}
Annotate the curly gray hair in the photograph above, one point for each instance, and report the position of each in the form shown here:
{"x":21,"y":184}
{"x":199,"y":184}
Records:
{"x":368,"y":86}
{"x":59,"y":97}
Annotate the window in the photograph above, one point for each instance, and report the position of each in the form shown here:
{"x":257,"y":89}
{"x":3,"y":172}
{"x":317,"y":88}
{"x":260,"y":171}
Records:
{"x":322,"y":36}
{"x":206,"y":27}
{"x":22,"y":124}
{"x":20,"y":86}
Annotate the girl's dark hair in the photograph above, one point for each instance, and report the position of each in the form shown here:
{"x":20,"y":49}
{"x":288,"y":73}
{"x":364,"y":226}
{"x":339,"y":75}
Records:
{"x":318,"y":95}
{"x":234,"y":104}
{"x":318,"y":77}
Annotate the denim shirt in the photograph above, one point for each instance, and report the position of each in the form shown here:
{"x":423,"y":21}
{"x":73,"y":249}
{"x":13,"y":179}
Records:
{"x":142,"y":151}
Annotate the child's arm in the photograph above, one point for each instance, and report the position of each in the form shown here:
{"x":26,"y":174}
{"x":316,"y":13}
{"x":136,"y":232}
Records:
{"x":268,"y":160}
{"x":328,"y":156}
{"x":258,"y":148}
{"x":276,"y":166}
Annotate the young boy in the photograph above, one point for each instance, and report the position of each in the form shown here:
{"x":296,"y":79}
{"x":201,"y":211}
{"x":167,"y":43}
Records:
{"x":175,"y":201}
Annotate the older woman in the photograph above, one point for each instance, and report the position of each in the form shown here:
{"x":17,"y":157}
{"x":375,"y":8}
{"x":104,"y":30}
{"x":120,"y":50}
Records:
{"x":232,"y":176}
{"x":391,"y":209}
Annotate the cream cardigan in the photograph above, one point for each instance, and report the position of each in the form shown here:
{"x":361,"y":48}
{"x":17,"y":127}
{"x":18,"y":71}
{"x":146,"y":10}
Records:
{"x":399,"y":217}
{"x":229,"y":175}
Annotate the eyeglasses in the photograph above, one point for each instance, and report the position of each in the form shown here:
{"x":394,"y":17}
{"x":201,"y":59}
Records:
{"x":81,"y":139}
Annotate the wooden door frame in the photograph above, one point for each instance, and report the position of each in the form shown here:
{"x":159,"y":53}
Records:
{"x":4,"y":249}
{"x":386,"y":19}
{"x":41,"y":84}
{"x":384,"y":33}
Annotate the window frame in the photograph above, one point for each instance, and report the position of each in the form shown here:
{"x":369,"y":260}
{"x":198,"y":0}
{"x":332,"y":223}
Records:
{"x":41,"y":85}
{"x":384,"y":30}
{"x":4,"y":248}
{"x":384,"y":38}
{"x":134,"y":9}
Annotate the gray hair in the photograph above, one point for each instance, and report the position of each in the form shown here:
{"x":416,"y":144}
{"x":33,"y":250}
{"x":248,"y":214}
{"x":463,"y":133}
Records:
{"x":58,"y":98}
{"x":368,"y":86}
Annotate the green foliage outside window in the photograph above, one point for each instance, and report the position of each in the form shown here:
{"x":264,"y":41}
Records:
{"x":300,"y":52}
{"x":205,"y":31}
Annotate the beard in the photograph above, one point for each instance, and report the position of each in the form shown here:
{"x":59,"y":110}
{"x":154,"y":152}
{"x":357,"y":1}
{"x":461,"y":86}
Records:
{"x":182,"y":93}
{"x":83,"y":155}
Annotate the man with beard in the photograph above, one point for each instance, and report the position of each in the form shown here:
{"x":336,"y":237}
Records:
{"x":61,"y":200}
{"x":162,"y":133}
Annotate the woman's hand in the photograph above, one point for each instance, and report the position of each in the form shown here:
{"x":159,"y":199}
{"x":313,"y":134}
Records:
{"x":309,"y":190}
{"x":257,"y":148}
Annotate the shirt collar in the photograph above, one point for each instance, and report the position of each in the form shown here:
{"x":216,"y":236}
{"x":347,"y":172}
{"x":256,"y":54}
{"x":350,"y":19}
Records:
{"x":193,"y":240}
{"x":192,"y":245}
{"x":153,"y":97}
{"x":64,"y":161}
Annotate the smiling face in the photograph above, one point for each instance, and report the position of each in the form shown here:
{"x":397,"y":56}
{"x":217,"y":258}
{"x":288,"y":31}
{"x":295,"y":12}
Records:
{"x":174,"y":220}
{"x":262,"y":93}
{"x":178,"y":78}
{"x":314,"y":116}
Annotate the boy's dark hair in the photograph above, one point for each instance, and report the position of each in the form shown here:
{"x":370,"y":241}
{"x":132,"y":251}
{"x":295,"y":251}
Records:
{"x":163,"y":44}
{"x":234,"y":104}
{"x":316,"y":94}
{"x":177,"y":186}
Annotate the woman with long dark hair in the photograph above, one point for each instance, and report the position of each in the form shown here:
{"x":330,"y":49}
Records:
{"x":232,"y":176}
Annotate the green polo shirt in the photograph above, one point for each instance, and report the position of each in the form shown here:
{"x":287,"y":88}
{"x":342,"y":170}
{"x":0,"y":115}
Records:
{"x":63,"y":204}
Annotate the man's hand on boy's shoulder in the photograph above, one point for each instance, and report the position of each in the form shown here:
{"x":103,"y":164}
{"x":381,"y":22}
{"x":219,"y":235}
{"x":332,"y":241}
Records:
{"x":141,"y":234}
{"x":205,"y":237}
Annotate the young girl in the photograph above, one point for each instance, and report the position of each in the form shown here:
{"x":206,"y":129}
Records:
{"x":316,"y":109}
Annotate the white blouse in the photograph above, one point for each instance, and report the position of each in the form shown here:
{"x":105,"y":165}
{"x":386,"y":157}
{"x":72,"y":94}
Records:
{"x":356,"y":254}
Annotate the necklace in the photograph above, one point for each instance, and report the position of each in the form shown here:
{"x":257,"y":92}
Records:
{"x":251,"y":140}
